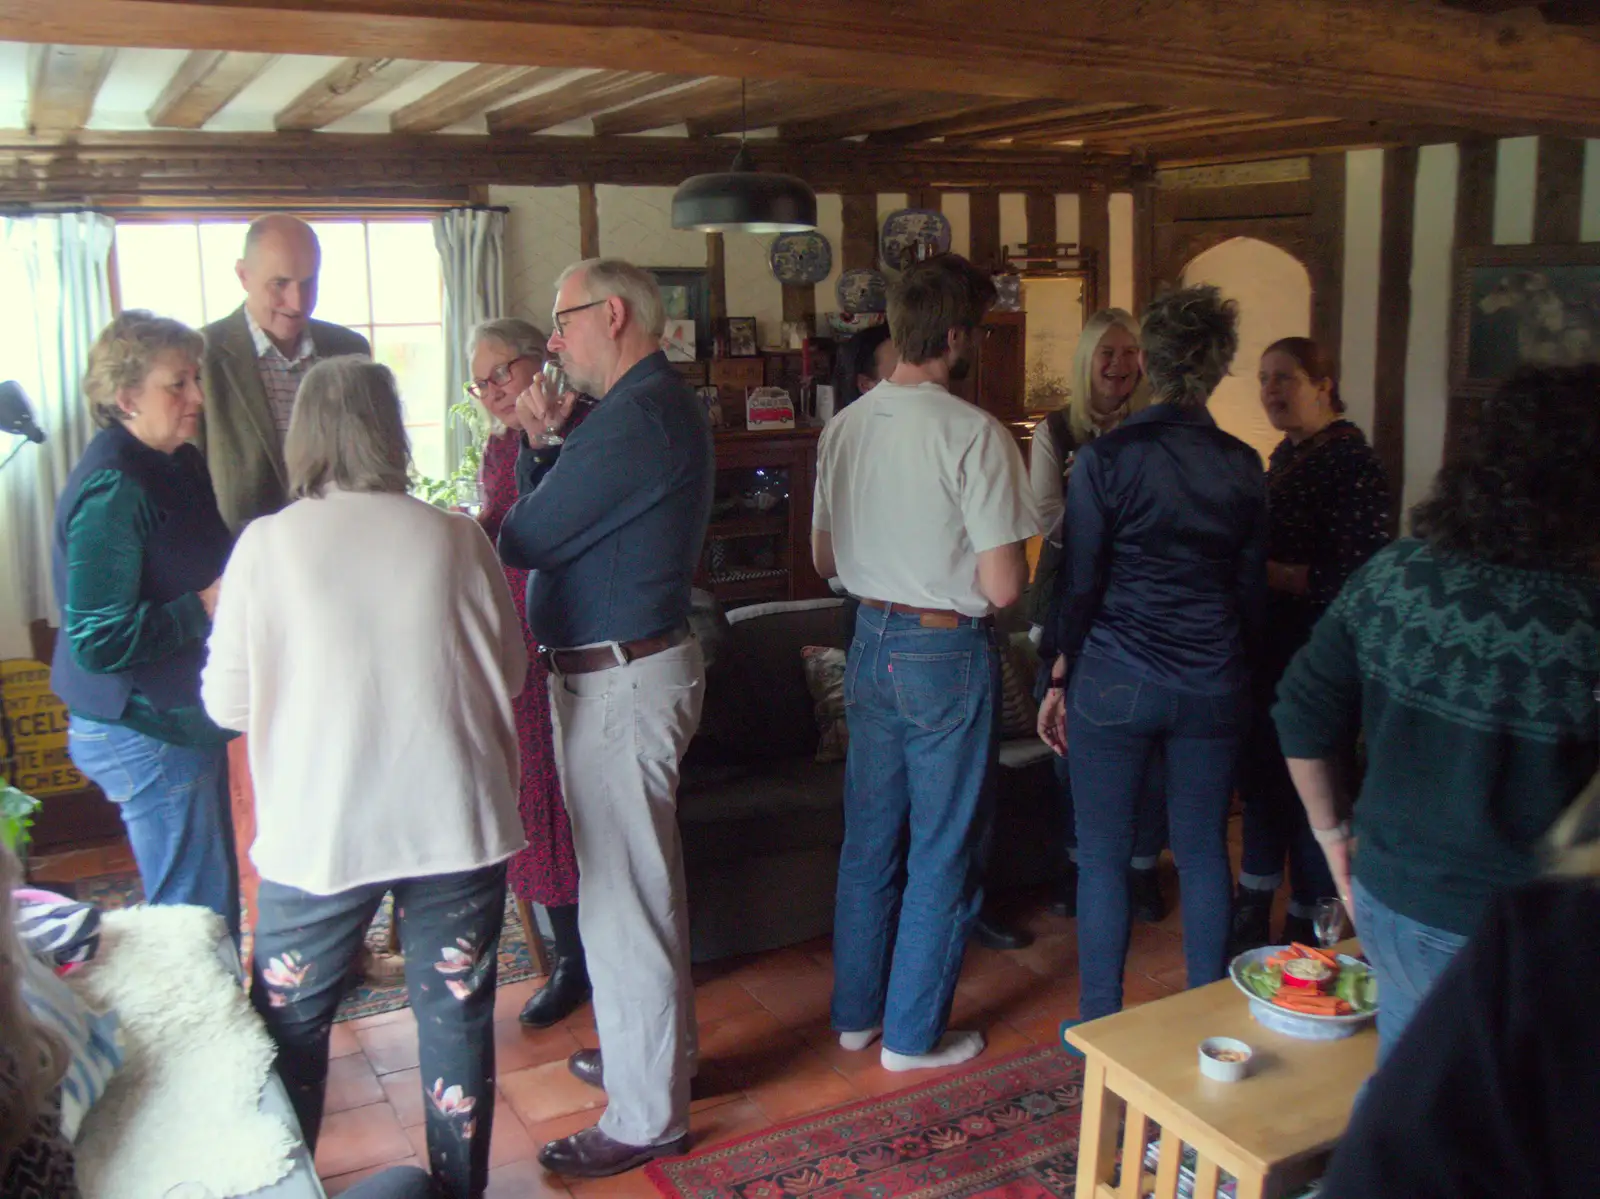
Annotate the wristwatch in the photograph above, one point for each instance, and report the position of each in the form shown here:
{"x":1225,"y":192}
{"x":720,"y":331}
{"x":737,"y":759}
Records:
{"x":1332,"y":836}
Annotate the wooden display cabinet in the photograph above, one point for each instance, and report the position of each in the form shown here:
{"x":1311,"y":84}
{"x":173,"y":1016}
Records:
{"x":998,"y":381}
{"x":755,"y":553}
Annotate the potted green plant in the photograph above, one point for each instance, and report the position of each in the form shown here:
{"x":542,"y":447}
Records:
{"x":458,"y":489}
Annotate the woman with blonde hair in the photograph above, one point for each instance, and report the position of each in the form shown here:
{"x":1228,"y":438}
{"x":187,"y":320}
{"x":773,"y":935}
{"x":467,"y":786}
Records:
{"x":1107,"y":385}
{"x":139,"y":547}
{"x":34,"y":1153}
{"x":367,"y":644}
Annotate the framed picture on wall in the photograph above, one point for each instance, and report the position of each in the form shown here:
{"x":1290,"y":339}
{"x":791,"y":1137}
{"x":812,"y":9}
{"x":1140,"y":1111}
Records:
{"x":678,"y":340}
{"x":741,"y":336}
{"x":687,"y":295}
{"x":1522,"y":306}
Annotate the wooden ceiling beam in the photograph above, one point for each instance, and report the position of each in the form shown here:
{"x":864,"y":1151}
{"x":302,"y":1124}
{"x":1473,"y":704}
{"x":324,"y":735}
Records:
{"x":1251,"y":145}
{"x":991,"y":119}
{"x":699,"y":100}
{"x":348,"y":87}
{"x":1127,"y":117}
{"x":203,"y":85}
{"x":1154,"y":129}
{"x":578,"y":99}
{"x":90,"y":165}
{"x":62,"y":84}
{"x":777,"y":102}
{"x":1356,"y":59}
{"x":884,"y":114}
{"x":475,"y":90}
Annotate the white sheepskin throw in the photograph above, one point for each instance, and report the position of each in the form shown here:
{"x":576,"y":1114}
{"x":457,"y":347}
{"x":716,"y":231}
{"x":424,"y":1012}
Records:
{"x":183,"y":1108}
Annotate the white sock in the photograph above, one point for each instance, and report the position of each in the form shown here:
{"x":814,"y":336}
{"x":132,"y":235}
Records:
{"x":854,"y":1041}
{"x":953,"y":1048}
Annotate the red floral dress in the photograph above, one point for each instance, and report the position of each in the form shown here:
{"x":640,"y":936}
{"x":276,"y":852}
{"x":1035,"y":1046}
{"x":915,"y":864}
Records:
{"x":546,"y":872}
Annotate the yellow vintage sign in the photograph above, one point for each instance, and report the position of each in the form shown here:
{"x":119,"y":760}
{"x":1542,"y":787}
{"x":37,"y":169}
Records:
{"x":39,"y":726}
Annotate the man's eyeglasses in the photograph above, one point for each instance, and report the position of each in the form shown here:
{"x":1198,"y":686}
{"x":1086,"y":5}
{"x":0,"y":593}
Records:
{"x":499,"y":376}
{"x":559,"y":319}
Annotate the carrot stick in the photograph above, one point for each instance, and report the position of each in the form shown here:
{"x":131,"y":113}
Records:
{"x":1319,"y":955}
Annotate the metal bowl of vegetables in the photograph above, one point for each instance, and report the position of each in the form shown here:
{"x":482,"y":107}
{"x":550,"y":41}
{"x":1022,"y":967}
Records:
{"x":1326,"y":1010}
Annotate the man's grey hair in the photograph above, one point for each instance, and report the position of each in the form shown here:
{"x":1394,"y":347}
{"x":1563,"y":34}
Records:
{"x":518,"y":336}
{"x":1189,"y":338}
{"x":347,"y":430}
{"x":635,"y":286}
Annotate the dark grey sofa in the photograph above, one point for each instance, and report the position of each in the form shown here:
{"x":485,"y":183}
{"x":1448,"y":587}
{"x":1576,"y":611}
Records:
{"x":762,"y":821}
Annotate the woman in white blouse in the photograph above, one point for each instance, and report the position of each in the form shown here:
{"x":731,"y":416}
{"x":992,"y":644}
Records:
{"x":367,"y":644}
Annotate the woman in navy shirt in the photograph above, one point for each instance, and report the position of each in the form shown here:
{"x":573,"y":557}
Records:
{"x":1166,"y":529}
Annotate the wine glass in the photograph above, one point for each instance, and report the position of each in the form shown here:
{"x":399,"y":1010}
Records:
{"x":555,"y":384}
{"x":1328,"y":921}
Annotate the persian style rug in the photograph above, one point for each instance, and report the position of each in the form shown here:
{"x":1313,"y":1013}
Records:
{"x":1004,"y":1130}
{"x":123,"y":889}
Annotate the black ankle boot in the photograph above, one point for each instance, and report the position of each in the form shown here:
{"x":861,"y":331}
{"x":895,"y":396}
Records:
{"x":1149,"y":905}
{"x":564,"y":992}
{"x":1252,"y":921}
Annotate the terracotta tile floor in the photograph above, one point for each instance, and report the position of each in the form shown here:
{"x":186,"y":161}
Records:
{"x":766,"y":1051}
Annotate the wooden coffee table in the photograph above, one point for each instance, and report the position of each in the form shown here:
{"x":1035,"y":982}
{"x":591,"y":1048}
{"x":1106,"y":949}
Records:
{"x":1272,"y":1131}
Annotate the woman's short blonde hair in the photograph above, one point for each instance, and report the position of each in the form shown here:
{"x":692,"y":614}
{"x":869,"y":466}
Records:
{"x":123,"y":354}
{"x":347,"y":431}
{"x":1189,"y":340}
{"x":1080,"y":411}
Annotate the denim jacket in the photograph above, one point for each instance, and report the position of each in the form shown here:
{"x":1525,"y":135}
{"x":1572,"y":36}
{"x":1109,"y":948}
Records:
{"x":1165,"y":531}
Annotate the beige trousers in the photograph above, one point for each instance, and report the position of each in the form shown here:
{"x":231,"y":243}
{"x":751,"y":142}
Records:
{"x":619,"y":736}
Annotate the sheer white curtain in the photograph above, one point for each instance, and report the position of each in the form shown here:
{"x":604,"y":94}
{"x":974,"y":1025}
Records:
{"x":471,"y":244}
{"x":55,"y":298}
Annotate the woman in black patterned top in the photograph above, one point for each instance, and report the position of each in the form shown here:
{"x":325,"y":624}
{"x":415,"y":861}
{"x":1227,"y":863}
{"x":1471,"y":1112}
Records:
{"x":1328,"y":512}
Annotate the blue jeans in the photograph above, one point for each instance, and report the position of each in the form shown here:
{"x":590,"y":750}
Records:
{"x":1275,"y":825}
{"x":305,"y":948}
{"x":920,"y":704}
{"x":1117,"y":721}
{"x":1407,"y":956}
{"x":175,"y":807}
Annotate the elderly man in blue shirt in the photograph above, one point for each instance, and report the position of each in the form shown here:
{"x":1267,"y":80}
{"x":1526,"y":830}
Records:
{"x":611,"y":522}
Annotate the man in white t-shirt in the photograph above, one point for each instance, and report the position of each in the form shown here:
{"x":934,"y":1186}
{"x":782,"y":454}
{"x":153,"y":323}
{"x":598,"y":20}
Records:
{"x":922,"y":510}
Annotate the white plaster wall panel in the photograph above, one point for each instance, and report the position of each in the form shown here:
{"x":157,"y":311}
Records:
{"x":752,"y":291}
{"x":1428,"y":340}
{"x":1589,"y":229}
{"x":830,"y":223}
{"x":957,"y":209}
{"x":1120,"y":208}
{"x":542,"y":240}
{"x":1515,"y":183}
{"x":1013,"y":219}
{"x":636,"y":224}
{"x":1363,"y":233}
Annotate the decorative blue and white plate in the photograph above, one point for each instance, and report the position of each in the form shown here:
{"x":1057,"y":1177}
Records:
{"x":904,"y":228}
{"x":800,"y":258}
{"x":862,"y":290}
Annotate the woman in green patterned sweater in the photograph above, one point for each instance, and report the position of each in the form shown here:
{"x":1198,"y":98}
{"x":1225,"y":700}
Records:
{"x":1469,"y":655}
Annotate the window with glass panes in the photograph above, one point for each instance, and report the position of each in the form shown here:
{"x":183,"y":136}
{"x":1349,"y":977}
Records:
{"x":379,"y":277}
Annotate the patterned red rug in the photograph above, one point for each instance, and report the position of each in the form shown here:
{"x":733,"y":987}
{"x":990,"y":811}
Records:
{"x":1006,"y":1130}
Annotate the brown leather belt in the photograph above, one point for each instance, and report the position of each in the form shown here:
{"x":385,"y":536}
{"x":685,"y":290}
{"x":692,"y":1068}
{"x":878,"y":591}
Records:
{"x":605,"y":657}
{"x":932,"y":618}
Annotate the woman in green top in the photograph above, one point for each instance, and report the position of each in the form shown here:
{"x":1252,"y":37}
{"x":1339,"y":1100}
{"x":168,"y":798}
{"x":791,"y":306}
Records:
{"x":139,"y":548}
{"x":1469,"y":655}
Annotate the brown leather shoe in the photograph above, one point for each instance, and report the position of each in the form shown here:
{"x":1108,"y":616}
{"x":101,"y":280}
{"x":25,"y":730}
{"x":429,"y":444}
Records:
{"x":586,"y":1066}
{"x":592,"y":1154}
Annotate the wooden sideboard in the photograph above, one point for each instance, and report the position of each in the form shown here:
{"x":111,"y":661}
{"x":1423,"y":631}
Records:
{"x":758,"y":546}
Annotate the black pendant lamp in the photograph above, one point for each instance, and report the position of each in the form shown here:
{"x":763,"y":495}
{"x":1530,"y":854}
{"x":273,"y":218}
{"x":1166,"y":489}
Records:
{"x":744,"y":200}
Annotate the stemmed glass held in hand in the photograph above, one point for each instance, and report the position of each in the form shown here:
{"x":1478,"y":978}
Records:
{"x":1328,"y":921}
{"x":549,"y":402}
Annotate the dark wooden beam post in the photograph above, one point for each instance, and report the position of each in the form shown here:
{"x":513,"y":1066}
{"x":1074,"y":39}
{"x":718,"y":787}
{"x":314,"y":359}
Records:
{"x":1327,"y":252}
{"x":858,"y":245}
{"x":1144,"y":245}
{"x":1558,"y":200}
{"x":1479,"y":160}
{"x":716,"y":279}
{"x":1041,"y":213}
{"x":984,"y":218}
{"x":925,"y":197}
{"x":588,"y":222}
{"x":1394,"y":316}
{"x":1094,"y":236}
